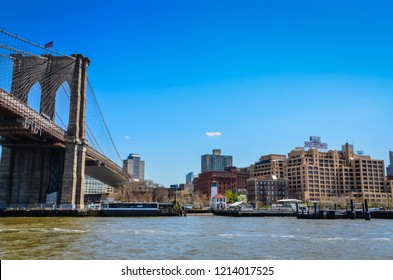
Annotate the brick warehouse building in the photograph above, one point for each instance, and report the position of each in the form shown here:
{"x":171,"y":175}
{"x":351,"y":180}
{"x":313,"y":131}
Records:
{"x":265,"y":191}
{"x":231,"y":179}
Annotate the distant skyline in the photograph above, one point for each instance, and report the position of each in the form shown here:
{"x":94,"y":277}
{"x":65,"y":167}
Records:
{"x":177,"y":79}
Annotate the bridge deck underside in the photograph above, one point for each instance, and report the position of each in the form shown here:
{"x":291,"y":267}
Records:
{"x":105,"y":175}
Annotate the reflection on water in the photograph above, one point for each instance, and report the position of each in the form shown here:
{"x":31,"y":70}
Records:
{"x":194,"y":237}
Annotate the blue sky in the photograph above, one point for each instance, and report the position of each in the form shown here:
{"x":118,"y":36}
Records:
{"x":264,"y":74}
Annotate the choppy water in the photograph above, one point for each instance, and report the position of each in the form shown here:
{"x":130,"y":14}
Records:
{"x":194,"y":237}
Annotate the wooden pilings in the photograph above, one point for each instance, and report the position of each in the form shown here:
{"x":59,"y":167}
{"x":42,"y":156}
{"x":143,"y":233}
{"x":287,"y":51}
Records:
{"x":336,"y":214}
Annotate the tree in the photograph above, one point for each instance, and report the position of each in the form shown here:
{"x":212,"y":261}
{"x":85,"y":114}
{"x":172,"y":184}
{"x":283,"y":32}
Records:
{"x":199,"y":200}
{"x":230,"y":196}
{"x":160,"y":194}
{"x":142,"y":191}
{"x":242,"y":198}
{"x":183,"y":197}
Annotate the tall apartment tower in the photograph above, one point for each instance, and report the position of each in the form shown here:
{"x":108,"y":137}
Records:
{"x":189,"y":177}
{"x":215,"y":161}
{"x":135,"y":166}
{"x":391,"y":157}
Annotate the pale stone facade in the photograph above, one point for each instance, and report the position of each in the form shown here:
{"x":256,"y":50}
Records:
{"x":268,"y":165}
{"x":334,"y":176}
{"x":315,"y":175}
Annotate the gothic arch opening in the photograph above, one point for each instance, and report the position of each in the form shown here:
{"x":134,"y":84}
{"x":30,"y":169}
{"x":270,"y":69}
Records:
{"x":62,"y":106}
{"x":34,"y":97}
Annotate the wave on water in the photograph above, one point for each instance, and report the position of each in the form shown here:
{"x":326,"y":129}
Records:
{"x":287,"y":236}
{"x":333,"y":238}
{"x":68,"y":230}
{"x":41,"y":230}
{"x":232,"y":235}
{"x":282,"y":236}
{"x":5,"y":230}
{"x":327,"y":239}
{"x":381,"y":239}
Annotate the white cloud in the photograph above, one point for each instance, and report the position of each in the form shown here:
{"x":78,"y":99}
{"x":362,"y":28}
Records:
{"x":127,"y":137}
{"x":213,"y":134}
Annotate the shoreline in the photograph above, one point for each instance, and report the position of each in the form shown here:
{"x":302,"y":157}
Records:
{"x":99,"y":213}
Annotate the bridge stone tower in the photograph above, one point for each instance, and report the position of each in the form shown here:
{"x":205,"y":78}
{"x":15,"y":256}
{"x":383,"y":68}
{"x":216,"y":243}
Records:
{"x":41,"y":171}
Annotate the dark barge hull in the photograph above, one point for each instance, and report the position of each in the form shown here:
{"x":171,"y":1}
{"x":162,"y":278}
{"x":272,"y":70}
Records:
{"x":332,"y":215}
{"x":253,"y":213}
{"x":135,"y":213}
{"x":84,"y":213}
{"x":47,"y":213}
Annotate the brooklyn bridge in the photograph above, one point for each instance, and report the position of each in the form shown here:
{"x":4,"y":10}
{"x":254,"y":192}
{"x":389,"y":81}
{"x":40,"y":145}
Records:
{"x":52,"y":130}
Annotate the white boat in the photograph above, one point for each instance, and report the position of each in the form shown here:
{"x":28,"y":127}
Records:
{"x":136,"y":209}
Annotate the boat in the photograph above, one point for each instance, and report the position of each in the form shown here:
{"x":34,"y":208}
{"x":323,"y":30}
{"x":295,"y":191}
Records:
{"x":142,"y":209}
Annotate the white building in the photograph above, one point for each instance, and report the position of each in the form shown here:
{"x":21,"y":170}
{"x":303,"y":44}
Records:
{"x":217,"y":201}
{"x":94,"y":186}
{"x":240,"y":205}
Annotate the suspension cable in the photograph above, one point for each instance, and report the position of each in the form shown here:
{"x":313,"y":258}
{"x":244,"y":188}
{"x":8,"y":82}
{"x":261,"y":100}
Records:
{"x":33,"y":44}
{"x":102,"y":117}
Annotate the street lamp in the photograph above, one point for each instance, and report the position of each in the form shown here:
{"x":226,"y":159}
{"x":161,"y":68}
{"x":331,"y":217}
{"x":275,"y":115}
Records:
{"x":175,"y":194}
{"x":357,"y":194}
{"x":347,"y":195}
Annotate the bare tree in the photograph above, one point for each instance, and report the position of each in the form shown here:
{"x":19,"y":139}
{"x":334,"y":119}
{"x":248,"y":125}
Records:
{"x":199,"y":200}
{"x":142,"y":191}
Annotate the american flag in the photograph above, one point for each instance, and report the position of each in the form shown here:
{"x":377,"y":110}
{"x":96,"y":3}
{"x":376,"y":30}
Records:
{"x":48,"y":45}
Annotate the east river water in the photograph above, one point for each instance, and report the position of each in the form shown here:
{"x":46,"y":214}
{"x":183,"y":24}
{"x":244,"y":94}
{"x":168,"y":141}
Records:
{"x":194,"y":238}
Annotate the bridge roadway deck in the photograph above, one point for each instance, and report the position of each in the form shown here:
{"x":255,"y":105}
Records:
{"x":97,"y":165}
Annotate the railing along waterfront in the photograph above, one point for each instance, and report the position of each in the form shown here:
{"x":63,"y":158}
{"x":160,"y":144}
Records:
{"x":259,"y":212}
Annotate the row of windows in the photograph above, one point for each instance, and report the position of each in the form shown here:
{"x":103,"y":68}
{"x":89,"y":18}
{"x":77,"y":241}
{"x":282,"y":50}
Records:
{"x":369,"y":163}
{"x":278,"y":183}
{"x":323,"y":177}
{"x":260,"y":193}
{"x":270,"y":188}
{"x":371,"y":200}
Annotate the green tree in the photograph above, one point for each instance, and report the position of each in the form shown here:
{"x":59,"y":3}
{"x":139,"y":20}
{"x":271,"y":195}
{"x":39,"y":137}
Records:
{"x":230,"y":196}
{"x":242,"y":198}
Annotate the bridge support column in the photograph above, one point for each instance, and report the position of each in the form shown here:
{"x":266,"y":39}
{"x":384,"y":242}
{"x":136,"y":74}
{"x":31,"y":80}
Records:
{"x":26,"y":184}
{"x":5,"y":176}
{"x":28,"y":175}
{"x":81,"y":180}
{"x":74,"y":185}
